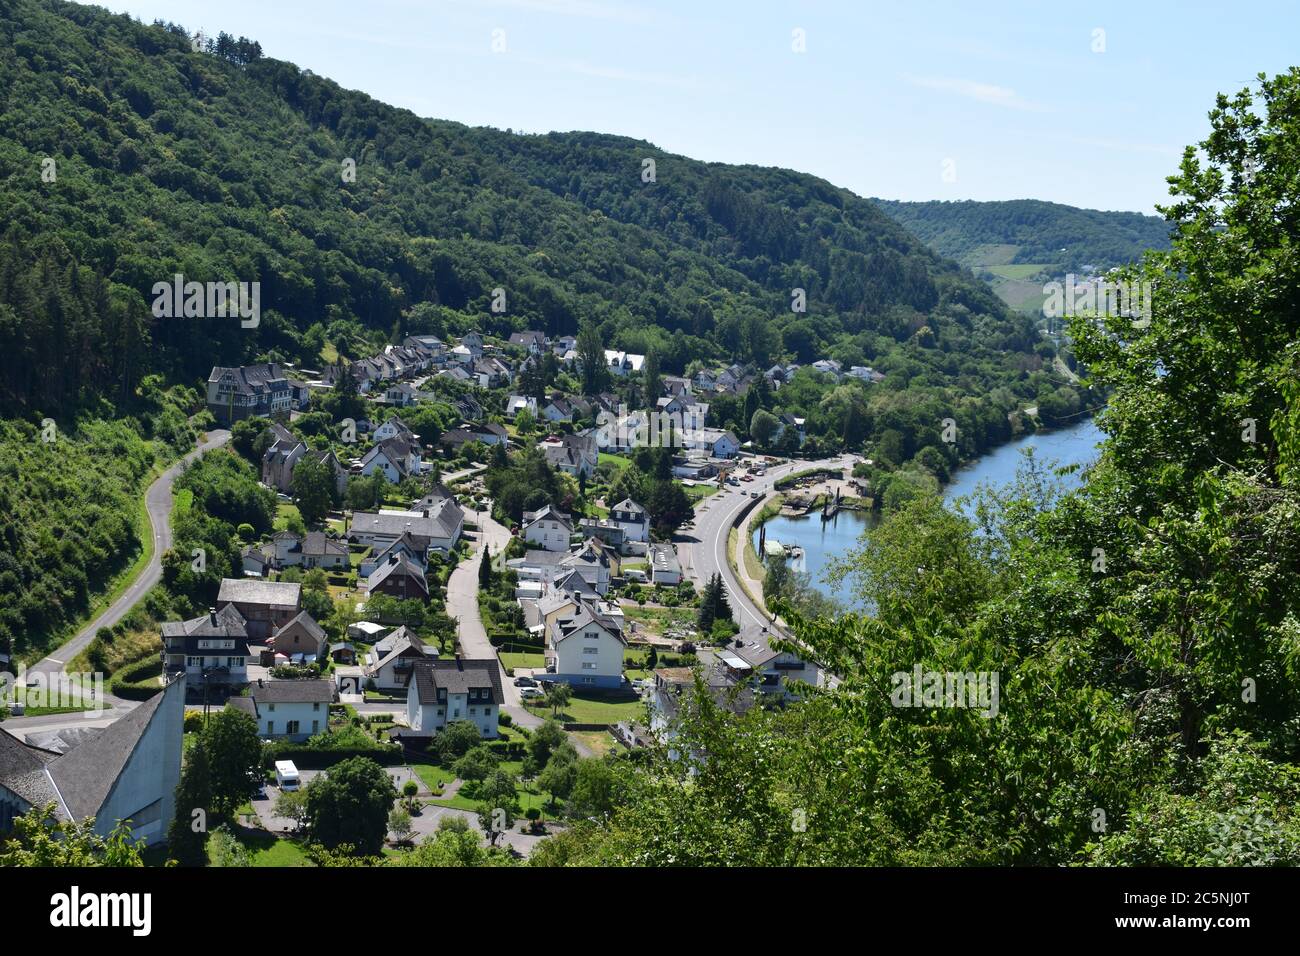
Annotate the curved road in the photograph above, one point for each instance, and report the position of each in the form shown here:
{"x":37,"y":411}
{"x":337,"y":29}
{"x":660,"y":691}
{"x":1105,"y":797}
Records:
{"x":158,"y":502}
{"x":705,"y":547}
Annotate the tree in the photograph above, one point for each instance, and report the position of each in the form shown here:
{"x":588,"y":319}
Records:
{"x":654,"y":386}
{"x":350,"y":805}
{"x":485,"y":570}
{"x":558,"y":696}
{"x":591,"y":360}
{"x":399,"y":824}
{"x":763,"y":427}
{"x":187,"y":833}
{"x":292,"y":805}
{"x":476,"y":765}
{"x":39,"y":838}
{"x":234,"y":754}
{"x":455,"y":740}
{"x":544,"y":741}
{"x":524,"y":422}
{"x":593,"y":791}
{"x":714,"y":606}
{"x":314,"y":489}
{"x":454,"y":844}
{"x":499,"y":804}
{"x":560,"y":773}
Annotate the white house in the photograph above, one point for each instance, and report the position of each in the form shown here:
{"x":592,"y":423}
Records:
{"x":288,"y":709}
{"x":632,"y":518}
{"x":518,"y":403}
{"x":719,"y":443}
{"x":548,"y":529}
{"x":444,"y":691}
{"x":438,"y":527}
{"x":394,"y":458}
{"x":586,"y":649}
{"x":624,"y":363}
{"x":395,"y":428}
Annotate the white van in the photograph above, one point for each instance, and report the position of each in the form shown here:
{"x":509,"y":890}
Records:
{"x":286,"y":775}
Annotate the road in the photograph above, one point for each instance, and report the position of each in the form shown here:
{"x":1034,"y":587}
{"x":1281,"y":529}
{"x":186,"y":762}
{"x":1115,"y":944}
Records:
{"x":703,"y":548}
{"x":158,"y":502}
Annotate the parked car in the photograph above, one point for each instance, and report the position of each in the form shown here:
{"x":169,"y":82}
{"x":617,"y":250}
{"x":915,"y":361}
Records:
{"x":530,"y":693}
{"x":746,"y":477}
{"x":525,"y":682}
{"x":755,"y":494}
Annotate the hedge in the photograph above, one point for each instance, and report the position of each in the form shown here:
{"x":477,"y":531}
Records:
{"x":138,"y":681}
{"x":318,"y":758}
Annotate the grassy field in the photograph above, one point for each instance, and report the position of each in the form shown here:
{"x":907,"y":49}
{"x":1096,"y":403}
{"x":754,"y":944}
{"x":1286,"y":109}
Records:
{"x":267,"y":849}
{"x":520,"y":659}
{"x":599,"y":742}
{"x":1018,"y":272}
{"x":284,"y":511}
{"x":698,"y":493}
{"x":617,"y":461}
{"x":593,"y":710}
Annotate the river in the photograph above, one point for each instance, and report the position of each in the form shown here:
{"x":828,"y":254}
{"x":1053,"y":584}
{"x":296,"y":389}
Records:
{"x":821,"y":541}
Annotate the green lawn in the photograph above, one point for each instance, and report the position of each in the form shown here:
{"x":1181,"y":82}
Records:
{"x":284,"y":511}
{"x":267,"y":849}
{"x":699,"y":492}
{"x":593,"y":710}
{"x":617,"y":461}
{"x":1018,"y":271}
{"x":516,"y":660}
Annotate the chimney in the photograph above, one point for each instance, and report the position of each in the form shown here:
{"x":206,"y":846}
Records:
{"x":392,"y":559}
{"x":259,"y":682}
{"x":212,"y":616}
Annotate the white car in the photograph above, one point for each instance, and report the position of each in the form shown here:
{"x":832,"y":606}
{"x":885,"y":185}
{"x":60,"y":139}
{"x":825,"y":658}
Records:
{"x":531,"y":693}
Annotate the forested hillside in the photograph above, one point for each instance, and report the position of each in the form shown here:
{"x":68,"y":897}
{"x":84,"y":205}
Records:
{"x":1019,"y":244}
{"x":129,"y":157}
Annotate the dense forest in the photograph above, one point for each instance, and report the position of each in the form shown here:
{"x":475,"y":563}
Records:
{"x":129,"y":157}
{"x":1064,"y":238}
{"x":1144,"y":629}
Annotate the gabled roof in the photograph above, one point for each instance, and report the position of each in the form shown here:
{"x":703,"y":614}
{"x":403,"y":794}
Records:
{"x":584,"y":615}
{"x":456,"y":676}
{"x":307,"y":622}
{"x":86,"y":774}
{"x":547,"y":513}
{"x":321,"y":544}
{"x":248,"y":591}
{"x":628,"y":505}
{"x":293,"y":692}
{"x":400,"y":564}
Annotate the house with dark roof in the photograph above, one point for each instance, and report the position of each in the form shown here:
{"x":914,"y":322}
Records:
{"x":400,"y":577}
{"x":438,"y":527}
{"x":749,"y":658}
{"x":575,"y":455}
{"x":441,"y":692}
{"x":316,"y":549}
{"x":632,"y":518}
{"x":394,"y":458}
{"x":249,"y":391}
{"x":287,"y":709}
{"x":210,"y":650}
{"x":532,"y":340}
{"x":128,"y":770}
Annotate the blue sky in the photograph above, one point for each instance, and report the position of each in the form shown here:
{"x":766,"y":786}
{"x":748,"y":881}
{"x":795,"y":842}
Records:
{"x":906,"y":100}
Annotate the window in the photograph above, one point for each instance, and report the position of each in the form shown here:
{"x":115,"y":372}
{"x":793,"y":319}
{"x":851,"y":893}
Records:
{"x":234,"y":662}
{"x":473,"y":712}
{"x":316,"y":706}
{"x":291,"y":727}
{"x":270,"y":727}
{"x":193,"y":662}
{"x":589,"y":680}
{"x":440,"y":711}
{"x":271,"y":707}
{"x":315,"y":726}
{"x":591,"y":650}
{"x":588,"y":665}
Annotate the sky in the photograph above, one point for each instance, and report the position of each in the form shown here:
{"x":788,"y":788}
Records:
{"x":1088,"y":104}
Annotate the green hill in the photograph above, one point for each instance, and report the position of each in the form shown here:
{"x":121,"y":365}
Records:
{"x":225,"y":165}
{"x":1018,"y":245}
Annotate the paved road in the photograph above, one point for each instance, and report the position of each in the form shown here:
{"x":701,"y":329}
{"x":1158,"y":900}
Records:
{"x":703,"y":549}
{"x":158,"y":502}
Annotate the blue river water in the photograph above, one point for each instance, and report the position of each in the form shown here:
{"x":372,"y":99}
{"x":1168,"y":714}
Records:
{"x":822,"y":541}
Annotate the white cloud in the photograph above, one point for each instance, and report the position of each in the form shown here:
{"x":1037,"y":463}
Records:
{"x":972,"y":90}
